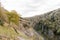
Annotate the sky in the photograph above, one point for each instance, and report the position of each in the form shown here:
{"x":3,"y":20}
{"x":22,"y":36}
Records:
{"x":29,"y":8}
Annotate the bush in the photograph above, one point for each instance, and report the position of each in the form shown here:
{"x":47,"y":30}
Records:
{"x":1,"y":22}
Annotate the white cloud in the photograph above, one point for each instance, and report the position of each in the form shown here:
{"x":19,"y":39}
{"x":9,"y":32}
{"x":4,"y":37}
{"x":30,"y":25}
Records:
{"x":31,"y":7}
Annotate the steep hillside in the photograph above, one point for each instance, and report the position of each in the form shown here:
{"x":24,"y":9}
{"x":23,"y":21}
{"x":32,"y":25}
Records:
{"x":14,"y":27}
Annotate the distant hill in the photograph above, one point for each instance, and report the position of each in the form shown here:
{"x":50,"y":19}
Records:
{"x":47,"y":25}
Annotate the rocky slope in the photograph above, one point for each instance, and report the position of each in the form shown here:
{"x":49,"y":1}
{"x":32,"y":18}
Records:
{"x":47,"y":25}
{"x":14,"y":27}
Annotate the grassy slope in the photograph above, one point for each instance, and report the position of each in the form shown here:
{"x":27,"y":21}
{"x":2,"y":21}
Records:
{"x":7,"y":32}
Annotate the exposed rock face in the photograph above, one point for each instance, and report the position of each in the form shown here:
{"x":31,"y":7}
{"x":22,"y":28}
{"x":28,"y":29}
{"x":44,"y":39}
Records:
{"x":47,"y":25}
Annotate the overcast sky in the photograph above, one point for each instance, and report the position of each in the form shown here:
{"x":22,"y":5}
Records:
{"x":29,"y":8}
